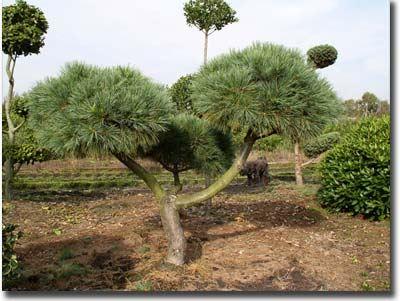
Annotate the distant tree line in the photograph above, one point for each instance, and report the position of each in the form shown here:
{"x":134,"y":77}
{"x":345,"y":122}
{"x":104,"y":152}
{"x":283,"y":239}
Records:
{"x":368,"y":105}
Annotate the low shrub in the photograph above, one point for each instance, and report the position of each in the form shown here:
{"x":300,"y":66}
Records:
{"x":10,"y":264}
{"x":355,"y":174}
{"x":321,"y":144}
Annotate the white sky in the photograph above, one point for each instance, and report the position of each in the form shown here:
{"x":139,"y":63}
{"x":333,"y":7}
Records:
{"x":152,"y":35}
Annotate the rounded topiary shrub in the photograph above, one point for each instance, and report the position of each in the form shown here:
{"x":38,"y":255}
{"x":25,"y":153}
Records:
{"x":322,"y":56}
{"x":356,"y":172}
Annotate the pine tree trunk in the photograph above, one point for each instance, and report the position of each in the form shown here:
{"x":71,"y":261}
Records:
{"x":205,"y":47}
{"x":169,"y":204}
{"x":168,"y":211}
{"x":177,"y":182}
{"x":173,"y":230}
{"x":298,"y":163}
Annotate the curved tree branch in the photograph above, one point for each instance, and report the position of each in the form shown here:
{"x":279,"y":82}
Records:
{"x":187,"y":200}
{"x":142,"y":173}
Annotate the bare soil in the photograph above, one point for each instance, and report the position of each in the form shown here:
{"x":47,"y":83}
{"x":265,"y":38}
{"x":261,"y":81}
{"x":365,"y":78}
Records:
{"x":277,"y":239}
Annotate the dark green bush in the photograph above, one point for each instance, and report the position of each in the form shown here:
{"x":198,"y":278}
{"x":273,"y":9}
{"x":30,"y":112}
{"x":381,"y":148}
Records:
{"x":355,"y":174}
{"x":10,"y":264}
{"x":321,"y":144}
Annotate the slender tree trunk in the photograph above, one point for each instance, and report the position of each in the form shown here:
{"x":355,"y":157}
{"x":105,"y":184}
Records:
{"x":177,"y":182}
{"x":9,"y":169}
{"x":298,"y":163}
{"x":8,"y":177}
{"x":173,"y":230}
{"x":205,"y":47}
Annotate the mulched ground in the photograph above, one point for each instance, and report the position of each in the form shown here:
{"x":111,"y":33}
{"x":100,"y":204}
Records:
{"x":251,"y":240}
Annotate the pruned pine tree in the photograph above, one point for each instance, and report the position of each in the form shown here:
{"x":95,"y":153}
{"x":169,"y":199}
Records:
{"x":263,"y":89}
{"x":181,"y":95}
{"x":190,"y":143}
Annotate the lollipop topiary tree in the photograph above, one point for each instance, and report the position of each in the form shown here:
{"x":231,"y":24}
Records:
{"x":262,"y":90}
{"x":24,"y":27}
{"x":208,"y":16}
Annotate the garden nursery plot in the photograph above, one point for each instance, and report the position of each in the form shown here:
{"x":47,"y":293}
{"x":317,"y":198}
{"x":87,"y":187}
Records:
{"x":251,"y":239}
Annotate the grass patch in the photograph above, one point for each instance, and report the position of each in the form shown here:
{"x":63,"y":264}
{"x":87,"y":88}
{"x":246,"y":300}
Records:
{"x":67,"y":270}
{"x":143,"y":249}
{"x":66,"y":254}
{"x":144,"y":286}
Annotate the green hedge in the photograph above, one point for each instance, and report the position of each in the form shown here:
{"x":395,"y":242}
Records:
{"x":355,"y":174}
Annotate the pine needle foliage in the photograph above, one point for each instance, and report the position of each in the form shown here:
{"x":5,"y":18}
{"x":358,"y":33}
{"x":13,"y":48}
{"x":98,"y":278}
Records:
{"x":190,"y":143}
{"x":264,"y":87}
{"x":89,"y":110}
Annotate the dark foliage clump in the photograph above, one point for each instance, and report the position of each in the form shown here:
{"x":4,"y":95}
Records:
{"x":322,"y":56}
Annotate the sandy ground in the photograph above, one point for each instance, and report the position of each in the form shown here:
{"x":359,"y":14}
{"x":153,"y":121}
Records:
{"x":277,"y":239}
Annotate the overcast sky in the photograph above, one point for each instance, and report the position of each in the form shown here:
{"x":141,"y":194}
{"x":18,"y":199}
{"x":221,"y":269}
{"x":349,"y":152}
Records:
{"x":152,"y":35}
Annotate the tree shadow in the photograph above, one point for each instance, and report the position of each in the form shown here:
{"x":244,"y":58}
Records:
{"x":83,"y":263}
{"x":261,"y":215}
{"x":75,"y":195}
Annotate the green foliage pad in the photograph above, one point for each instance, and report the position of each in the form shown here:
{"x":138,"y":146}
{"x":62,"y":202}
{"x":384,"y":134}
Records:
{"x":321,"y":144}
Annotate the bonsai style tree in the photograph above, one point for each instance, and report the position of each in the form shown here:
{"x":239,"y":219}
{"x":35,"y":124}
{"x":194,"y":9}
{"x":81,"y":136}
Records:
{"x":318,"y":57}
{"x":24,"y":27}
{"x":263,"y":89}
{"x":208,"y":16}
{"x":191,"y":143}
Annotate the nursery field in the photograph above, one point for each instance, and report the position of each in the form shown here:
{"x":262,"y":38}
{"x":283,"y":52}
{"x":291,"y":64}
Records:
{"x":92,"y":225}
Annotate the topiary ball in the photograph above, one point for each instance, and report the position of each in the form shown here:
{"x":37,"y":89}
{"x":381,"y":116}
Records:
{"x":322,"y":56}
{"x":24,"y":27}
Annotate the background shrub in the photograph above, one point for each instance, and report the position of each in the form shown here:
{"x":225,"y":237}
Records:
{"x":356,"y":172}
{"x":269,"y":144}
{"x":321,"y":144}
